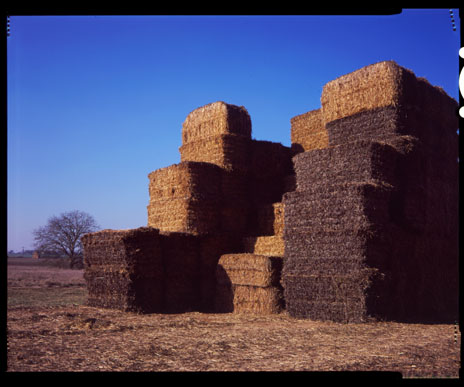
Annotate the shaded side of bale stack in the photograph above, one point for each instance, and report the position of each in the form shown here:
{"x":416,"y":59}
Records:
{"x":392,"y":130}
{"x":124,"y":269}
{"x":427,"y":199}
{"x":308,"y":132}
{"x":249,"y":283}
{"x":182,"y":271}
{"x":270,"y":163}
{"x":211,"y":248}
{"x":185,"y":197}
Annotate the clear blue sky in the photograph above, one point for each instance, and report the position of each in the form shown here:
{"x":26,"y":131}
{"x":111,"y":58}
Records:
{"x":95,"y":103}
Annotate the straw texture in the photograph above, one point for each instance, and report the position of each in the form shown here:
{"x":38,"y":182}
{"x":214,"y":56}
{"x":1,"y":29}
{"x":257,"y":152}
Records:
{"x":371,"y":229}
{"x":249,"y":283}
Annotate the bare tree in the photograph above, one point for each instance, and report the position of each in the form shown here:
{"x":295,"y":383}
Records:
{"x":62,"y":234}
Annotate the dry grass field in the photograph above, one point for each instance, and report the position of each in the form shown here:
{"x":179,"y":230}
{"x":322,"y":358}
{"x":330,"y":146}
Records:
{"x":49,"y":328}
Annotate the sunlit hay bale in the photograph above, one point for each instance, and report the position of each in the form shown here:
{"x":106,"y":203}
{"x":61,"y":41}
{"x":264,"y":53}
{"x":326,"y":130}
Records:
{"x":187,"y":180}
{"x":212,"y":247}
{"x":215,"y":119}
{"x":374,"y":86}
{"x":267,"y":219}
{"x":357,"y":161}
{"x":249,"y":269}
{"x":308,"y":132}
{"x":343,"y":206}
{"x":227,"y":151}
{"x":243,"y":299}
{"x":265,"y":245}
{"x":184,"y":215}
{"x":124,"y":270}
{"x":385,"y":99}
{"x":248,"y":283}
{"x":182,"y":266}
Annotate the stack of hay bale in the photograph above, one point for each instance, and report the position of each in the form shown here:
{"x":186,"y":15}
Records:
{"x":185,"y":197}
{"x":253,"y":182}
{"x":371,"y":230}
{"x":124,"y":269}
{"x":220,"y":134}
{"x":249,"y":283}
{"x":200,"y":210}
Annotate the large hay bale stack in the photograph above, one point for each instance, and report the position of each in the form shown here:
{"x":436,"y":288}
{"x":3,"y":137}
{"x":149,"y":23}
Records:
{"x":124,"y":269}
{"x":249,"y":283}
{"x":364,"y":228}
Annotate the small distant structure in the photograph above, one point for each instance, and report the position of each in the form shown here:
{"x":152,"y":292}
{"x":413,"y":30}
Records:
{"x":36,"y":254}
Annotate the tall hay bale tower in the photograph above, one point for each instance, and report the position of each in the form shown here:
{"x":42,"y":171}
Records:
{"x":371,"y":231}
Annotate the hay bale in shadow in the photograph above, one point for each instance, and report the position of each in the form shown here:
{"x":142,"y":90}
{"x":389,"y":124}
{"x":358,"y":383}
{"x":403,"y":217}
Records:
{"x":266,"y":219}
{"x":124,"y":269}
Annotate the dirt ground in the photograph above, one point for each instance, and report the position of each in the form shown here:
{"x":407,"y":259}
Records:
{"x":49,"y":328}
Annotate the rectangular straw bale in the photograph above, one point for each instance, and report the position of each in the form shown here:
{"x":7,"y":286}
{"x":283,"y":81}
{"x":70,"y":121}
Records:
{"x":131,"y":250}
{"x":187,"y":180}
{"x":375,"y":86}
{"x":215,"y":119}
{"x":184,"y":215}
{"x":242,"y":299}
{"x":363,"y":160}
{"x":249,"y":269}
{"x":123,"y":269}
{"x":326,"y":287}
{"x":265,"y":245}
{"x":340,"y":205}
{"x":387,"y":122}
{"x":227,"y":151}
{"x":308,"y":132}
{"x":352,"y":311}
{"x":400,"y":102}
